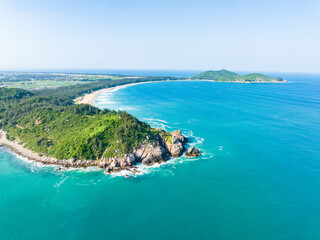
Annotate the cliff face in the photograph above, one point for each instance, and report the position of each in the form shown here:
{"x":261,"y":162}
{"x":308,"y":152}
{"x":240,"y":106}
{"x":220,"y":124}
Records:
{"x":167,"y":145}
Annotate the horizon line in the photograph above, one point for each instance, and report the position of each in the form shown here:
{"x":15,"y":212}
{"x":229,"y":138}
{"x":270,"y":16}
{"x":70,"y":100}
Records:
{"x":65,"y":70}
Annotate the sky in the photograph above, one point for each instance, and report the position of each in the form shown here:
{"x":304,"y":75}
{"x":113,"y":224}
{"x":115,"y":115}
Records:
{"x":259,"y":35}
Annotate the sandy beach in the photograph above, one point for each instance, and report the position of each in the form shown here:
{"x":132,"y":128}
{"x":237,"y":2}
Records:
{"x":89,"y":98}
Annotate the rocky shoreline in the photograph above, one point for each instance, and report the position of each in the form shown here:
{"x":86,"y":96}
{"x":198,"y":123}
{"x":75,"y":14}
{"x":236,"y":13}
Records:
{"x":166,"y":145}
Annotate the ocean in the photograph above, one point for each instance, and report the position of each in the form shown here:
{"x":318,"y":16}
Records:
{"x":258,"y":176}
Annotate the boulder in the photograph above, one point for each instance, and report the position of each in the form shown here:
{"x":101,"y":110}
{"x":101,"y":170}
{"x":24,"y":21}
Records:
{"x":176,"y":149}
{"x":153,"y":154}
{"x":127,"y":161}
{"x":192,"y":152}
{"x":177,"y":134}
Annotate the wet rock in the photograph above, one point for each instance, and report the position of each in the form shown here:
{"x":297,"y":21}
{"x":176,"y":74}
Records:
{"x":177,"y":134}
{"x":71,"y":161}
{"x":175,"y":147}
{"x":102,"y":164}
{"x":192,"y":152}
{"x":151,"y":153}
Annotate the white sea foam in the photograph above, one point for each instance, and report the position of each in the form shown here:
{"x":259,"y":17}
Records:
{"x":81,"y":169}
{"x":106,"y":100}
{"x":155,"y":120}
{"x":57,"y":185}
{"x":139,"y":169}
{"x":157,"y":123}
{"x":33,"y":165}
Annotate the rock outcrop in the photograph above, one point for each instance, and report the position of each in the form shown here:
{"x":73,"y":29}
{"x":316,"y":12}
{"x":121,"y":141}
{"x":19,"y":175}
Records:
{"x":173,"y":143}
{"x":166,"y":145}
{"x":192,"y":152}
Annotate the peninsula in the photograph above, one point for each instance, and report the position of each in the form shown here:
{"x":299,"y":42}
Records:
{"x":227,"y":76}
{"x":46,"y":126}
{"x":60,"y":126}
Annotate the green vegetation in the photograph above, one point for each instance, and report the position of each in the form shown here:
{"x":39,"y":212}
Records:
{"x":38,"y":76}
{"x":71,"y":92}
{"x":258,"y":77}
{"x":222,"y":75}
{"x":31,"y":85}
{"x":227,"y":76}
{"x":61,"y":129}
{"x":13,"y":94}
{"x":36,"y":81}
{"x":47,"y":121}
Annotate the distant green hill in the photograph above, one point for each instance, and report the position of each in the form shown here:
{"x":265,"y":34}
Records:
{"x":258,"y":77}
{"x":227,"y":76}
{"x":222,"y":75}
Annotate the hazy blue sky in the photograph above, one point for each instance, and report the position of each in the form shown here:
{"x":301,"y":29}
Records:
{"x":269,"y":35}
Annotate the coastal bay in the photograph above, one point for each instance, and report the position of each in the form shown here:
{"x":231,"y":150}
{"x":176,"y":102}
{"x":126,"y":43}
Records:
{"x":91,"y":137}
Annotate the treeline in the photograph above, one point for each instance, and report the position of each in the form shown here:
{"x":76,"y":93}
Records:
{"x":7,"y":94}
{"x":59,"y":128}
{"x":14,"y":103}
{"x":71,"y":92}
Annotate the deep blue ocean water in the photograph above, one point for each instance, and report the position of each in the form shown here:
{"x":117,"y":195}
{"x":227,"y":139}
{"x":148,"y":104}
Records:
{"x":258,"y":177}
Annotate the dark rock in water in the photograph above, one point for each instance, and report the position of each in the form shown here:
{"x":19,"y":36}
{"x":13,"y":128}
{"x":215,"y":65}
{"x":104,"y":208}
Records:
{"x":192,"y":152}
{"x":174,"y":143}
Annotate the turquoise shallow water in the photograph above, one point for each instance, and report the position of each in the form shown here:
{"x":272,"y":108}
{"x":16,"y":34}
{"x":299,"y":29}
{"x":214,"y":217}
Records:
{"x":259,"y":177}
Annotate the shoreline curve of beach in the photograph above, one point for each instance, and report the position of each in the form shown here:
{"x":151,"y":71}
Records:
{"x":89,"y":98}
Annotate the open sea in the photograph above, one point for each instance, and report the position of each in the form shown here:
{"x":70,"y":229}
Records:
{"x":258,"y":177}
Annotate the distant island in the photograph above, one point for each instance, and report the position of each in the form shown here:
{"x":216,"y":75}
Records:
{"x":37,"y":80}
{"x":227,"y":76}
{"x":59,"y":125}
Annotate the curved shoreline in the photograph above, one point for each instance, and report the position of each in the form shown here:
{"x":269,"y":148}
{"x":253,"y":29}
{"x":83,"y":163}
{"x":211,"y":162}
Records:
{"x":89,"y":98}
